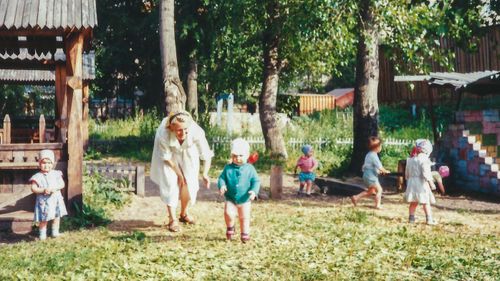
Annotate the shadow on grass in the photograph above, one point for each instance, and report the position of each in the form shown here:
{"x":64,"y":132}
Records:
{"x":13,"y":238}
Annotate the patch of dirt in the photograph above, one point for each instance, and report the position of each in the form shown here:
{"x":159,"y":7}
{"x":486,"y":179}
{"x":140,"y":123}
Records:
{"x":477,"y":213}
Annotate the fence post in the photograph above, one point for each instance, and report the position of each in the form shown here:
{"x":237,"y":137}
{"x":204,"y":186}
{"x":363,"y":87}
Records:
{"x":276,"y":182}
{"x":139,"y":181}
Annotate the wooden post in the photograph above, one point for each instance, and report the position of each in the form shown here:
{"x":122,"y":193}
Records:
{"x":6,"y":129}
{"x":433,"y":115}
{"x":74,"y":85}
{"x":41,"y":129}
{"x":61,"y":104}
{"x":140,"y":181}
{"x":276,"y":182}
{"x":85,"y":116}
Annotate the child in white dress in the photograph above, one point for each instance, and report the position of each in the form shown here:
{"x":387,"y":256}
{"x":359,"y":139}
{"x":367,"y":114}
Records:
{"x":420,"y":181}
{"x":47,"y":185}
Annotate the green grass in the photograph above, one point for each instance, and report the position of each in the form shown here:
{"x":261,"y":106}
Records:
{"x":291,"y":240}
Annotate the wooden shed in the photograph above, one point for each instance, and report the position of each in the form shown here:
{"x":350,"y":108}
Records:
{"x":309,"y":103}
{"x":44,"y":42}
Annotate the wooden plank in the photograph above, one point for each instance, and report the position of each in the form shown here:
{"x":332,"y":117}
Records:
{"x":3,"y":11}
{"x":93,"y":14}
{"x":18,"y":21}
{"x":70,"y":13}
{"x":18,"y":165}
{"x":85,"y":117}
{"x":34,"y":13}
{"x":140,"y":181}
{"x":42,"y":13}
{"x":50,"y":14}
{"x":30,"y":146}
{"x":11,"y":14}
{"x":74,"y":56}
{"x":57,"y":13}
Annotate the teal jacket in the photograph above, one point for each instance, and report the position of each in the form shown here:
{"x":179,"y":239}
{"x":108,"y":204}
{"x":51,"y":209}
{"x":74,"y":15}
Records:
{"x":239,"y":180}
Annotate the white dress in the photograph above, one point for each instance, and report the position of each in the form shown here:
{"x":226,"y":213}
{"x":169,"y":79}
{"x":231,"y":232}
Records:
{"x":187,"y":156}
{"x":49,"y":207}
{"x":419,"y":177}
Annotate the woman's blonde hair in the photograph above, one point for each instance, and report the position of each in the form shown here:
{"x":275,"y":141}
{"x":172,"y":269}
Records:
{"x":374,"y":142}
{"x":179,"y":117}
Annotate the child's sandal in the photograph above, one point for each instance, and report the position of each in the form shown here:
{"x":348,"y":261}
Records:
{"x":230,"y":233}
{"x":245,"y":237}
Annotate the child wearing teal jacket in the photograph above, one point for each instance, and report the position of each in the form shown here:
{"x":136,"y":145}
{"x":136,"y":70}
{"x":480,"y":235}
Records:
{"x":240,"y":184}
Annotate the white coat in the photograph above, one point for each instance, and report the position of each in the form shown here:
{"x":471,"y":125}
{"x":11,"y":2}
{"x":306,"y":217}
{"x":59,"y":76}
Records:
{"x":187,"y":156}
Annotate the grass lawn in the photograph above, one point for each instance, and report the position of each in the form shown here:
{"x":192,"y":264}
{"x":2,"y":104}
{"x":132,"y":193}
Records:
{"x":323,"y":238}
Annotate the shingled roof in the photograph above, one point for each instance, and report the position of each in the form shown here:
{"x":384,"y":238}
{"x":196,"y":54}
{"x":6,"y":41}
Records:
{"x":47,"y":14}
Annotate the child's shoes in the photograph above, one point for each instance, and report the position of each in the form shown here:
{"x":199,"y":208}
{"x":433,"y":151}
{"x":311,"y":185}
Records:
{"x":411,"y":219}
{"x":245,"y":237}
{"x":229,"y":233}
{"x":430,"y":221}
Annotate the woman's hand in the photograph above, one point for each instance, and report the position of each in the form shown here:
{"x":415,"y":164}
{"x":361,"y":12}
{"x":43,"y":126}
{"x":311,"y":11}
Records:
{"x":181,"y":181}
{"x":206,"y":181}
{"x":222,"y":190}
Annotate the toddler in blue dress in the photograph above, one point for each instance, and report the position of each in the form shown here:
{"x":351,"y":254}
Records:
{"x":47,"y":185}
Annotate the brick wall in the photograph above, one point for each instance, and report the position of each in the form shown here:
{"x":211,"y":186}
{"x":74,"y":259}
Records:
{"x":473,"y":147}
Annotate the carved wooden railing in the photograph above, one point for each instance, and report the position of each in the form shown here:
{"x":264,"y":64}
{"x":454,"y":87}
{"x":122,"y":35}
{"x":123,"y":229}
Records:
{"x":21,"y":135}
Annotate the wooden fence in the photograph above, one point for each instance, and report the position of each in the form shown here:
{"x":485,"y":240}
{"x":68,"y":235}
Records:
{"x":318,"y":143}
{"x":132,"y":175}
{"x":487,"y":57}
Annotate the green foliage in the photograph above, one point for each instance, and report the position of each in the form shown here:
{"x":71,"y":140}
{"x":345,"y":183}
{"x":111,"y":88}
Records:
{"x":287,"y":104}
{"x":101,"y":196}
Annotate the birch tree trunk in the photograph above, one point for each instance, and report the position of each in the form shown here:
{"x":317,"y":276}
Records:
{"x":175,"y":97}
{"x":192,"y":88}
{"x":269,"y":93}
{"x":366,"y":109}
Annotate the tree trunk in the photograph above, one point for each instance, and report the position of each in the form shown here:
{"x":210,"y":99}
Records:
{"x":175,"y":97}
{"x":192,"y":88}
{"x":365,"y":92}
{"x":269,"y":93}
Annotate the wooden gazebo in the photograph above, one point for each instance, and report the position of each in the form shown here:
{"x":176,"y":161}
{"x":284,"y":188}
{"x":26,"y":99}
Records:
{"x":45,"y":42}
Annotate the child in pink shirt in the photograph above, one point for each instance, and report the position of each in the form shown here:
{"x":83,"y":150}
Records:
{"x":307,"y":165}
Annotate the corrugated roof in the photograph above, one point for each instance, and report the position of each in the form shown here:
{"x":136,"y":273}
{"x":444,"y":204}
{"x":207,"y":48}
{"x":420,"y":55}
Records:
{"x":340,"y":92}
{"x":50,"y":14}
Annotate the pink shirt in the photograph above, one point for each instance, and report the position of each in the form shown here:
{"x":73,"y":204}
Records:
{"x":306,"y":163}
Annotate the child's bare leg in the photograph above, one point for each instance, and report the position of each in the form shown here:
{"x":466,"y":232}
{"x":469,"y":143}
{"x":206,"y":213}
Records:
{"x":428,"y":213}
{"x":308,"y":187}
{"x":378,"y":196}
{"x":244,"y":216}
{"x":301,"y":187}
{"x":230,"y":211}
{"x":55,"y":227}
{"x":363,"y":194}
{"x":412,"y":208}
{"x":42,"y":228}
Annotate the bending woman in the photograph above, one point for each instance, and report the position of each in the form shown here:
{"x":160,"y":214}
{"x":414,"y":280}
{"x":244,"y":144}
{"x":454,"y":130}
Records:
{"x":179,"y":146}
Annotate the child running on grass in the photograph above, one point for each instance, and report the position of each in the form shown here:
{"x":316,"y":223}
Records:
{"x":307,"y":165}
{"x":47,"y":185}
{"x":240,"y":184}
{"x":420,"y":181}
{"x":372,"y":167}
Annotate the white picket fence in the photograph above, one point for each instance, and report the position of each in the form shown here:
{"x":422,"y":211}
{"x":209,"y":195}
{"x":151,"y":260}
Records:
{"x":318,"y":143}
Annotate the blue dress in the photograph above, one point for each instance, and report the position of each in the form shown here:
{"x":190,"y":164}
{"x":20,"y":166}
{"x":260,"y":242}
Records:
{"x":49,"y":207}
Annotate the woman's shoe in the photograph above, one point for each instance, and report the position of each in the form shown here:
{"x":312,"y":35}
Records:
{"x":187,"y":219}
{"x":173,"y":226}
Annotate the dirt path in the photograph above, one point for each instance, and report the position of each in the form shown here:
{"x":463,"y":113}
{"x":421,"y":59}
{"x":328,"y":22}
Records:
{"x":478,"y":214}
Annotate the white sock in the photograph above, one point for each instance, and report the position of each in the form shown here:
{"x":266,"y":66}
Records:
{"x":43,"y":234}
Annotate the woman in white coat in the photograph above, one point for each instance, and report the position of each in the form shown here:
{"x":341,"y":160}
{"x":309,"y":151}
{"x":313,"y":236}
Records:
{"x":179,"y":146}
